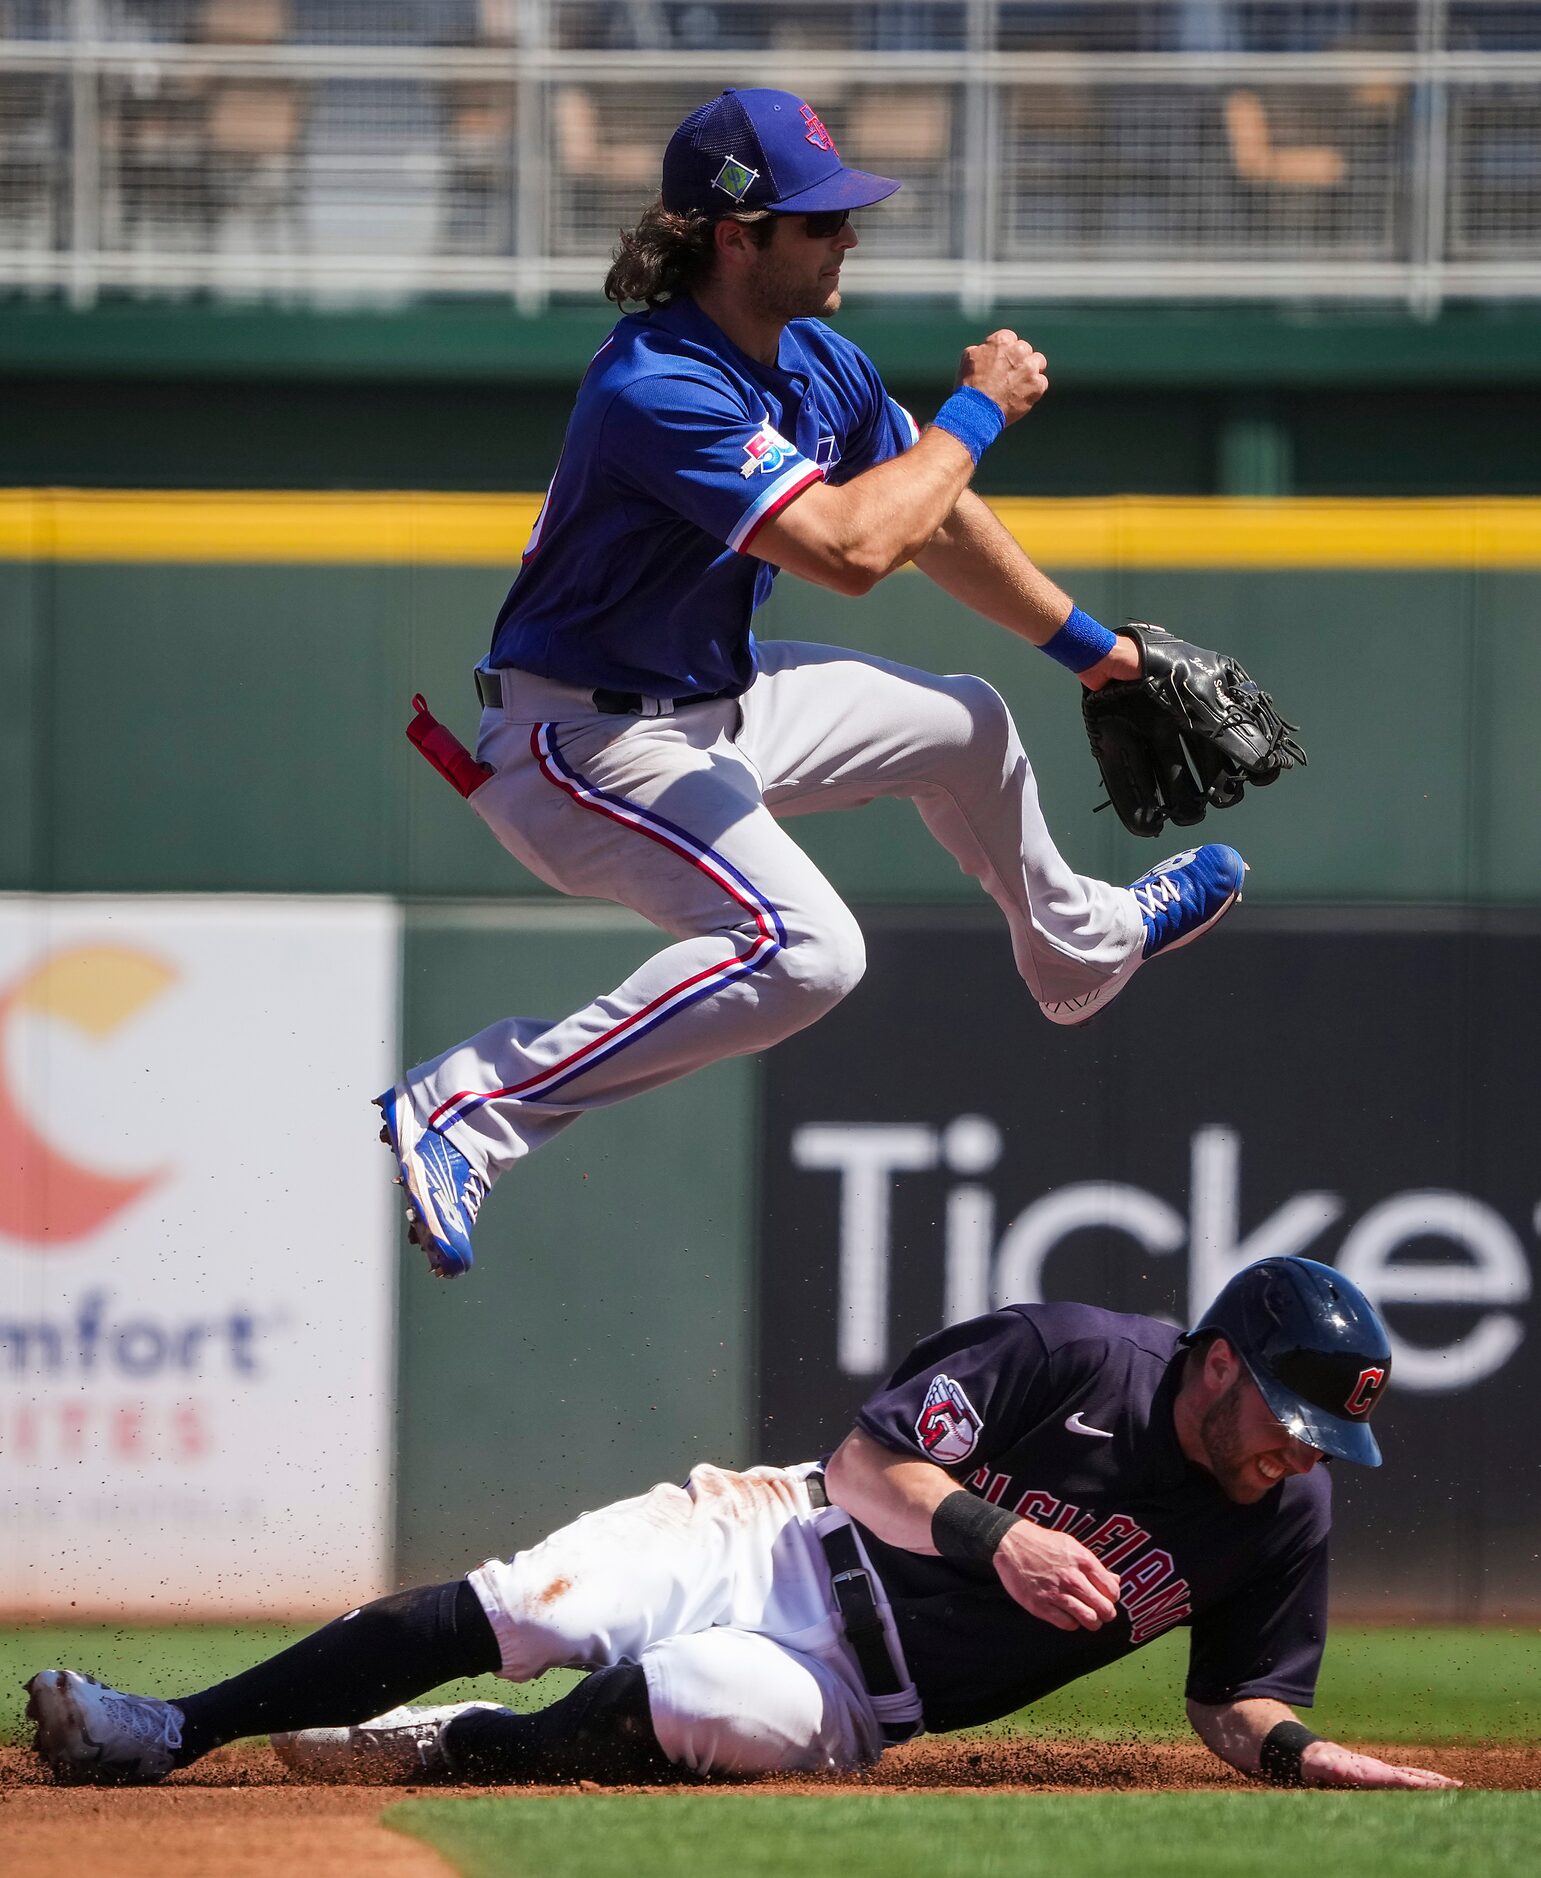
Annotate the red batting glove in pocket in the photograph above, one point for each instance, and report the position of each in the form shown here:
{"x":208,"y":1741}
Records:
{"x":444,"y":750}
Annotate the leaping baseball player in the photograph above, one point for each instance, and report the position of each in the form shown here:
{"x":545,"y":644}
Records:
{"x":637,"y":745}
{"x":1031,"y":1496}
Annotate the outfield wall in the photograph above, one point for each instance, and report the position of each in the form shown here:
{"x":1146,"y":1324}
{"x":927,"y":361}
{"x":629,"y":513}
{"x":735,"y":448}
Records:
{"x":208,"y":696}
{"x":201,"y":711}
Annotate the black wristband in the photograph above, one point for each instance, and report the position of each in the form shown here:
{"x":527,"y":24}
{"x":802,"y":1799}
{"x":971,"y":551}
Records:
{"x":1278,"y":1759}
{"x":969,"y":1529}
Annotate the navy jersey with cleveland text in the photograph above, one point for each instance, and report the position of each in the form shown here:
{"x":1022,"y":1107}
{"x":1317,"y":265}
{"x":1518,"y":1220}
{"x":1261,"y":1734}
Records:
{"x":1063,"y":1413}
{"x":640,"y":573}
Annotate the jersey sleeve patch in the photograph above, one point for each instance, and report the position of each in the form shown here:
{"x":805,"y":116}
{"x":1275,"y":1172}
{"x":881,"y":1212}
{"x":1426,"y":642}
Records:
{"x":948,"y":1426}
{"x":685,"y":446}
{"x":765,"y":453}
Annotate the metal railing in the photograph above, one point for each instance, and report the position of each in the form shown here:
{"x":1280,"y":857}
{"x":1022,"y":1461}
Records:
{"x":1051,"y":149}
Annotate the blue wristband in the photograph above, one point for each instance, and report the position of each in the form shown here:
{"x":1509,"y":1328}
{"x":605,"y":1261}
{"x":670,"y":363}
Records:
{"x":1080,"y":642}
{"x":973,"y":418}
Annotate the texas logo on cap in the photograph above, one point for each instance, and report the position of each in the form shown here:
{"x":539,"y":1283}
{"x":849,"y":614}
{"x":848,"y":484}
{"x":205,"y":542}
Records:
{"x":762,"y":149}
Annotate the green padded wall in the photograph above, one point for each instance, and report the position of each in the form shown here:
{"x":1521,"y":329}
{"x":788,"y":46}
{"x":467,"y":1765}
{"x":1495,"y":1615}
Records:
{"x":204,"y":728}
{"x":603,"y":1341}
{"x":470,"y":395}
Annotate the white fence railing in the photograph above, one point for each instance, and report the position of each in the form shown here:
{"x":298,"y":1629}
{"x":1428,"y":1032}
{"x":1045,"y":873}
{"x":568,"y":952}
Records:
{"x":1052,"y":149}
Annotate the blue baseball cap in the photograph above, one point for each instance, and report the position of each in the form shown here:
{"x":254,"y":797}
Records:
{"x":762,"y":150}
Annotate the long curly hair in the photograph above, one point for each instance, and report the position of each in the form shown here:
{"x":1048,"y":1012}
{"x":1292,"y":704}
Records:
{"x":669,"y":254}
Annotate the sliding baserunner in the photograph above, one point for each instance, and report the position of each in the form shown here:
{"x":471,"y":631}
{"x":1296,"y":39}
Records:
{"x":1031,"y":1496}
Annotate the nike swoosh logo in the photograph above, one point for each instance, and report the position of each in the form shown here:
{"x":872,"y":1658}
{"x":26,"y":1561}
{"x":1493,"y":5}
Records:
{"x":1078,"y":1427}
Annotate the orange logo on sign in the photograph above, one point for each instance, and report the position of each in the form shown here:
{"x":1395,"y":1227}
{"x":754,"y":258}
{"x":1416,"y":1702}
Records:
{"x":45,"y":1197}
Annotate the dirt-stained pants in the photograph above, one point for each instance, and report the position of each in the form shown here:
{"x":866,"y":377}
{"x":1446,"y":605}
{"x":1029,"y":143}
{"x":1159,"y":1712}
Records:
{"x":721,"y":1591}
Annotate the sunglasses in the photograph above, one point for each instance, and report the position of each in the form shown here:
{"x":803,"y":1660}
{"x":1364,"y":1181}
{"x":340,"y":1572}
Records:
{"x":825,"y":224}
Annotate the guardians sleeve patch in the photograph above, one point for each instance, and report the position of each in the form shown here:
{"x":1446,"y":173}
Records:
{"x":948,"y":1425}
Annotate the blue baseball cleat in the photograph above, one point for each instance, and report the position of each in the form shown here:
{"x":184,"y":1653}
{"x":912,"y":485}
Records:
{"x":444,"y":1191}
{"x":1182,"y":898}
{"x":1179,"y":900}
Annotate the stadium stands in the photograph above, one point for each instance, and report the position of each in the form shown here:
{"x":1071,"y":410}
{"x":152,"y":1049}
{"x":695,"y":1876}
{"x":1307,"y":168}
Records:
{"x":381,"y":149}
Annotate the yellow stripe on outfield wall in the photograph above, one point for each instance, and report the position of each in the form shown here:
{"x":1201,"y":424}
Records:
{"x":298,"y":526}
{"x":490,"y":530}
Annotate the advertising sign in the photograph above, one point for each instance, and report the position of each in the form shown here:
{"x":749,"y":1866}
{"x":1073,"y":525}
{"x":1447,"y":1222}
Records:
{"x":1365,"y":1094}
{"x":197,"y":1254}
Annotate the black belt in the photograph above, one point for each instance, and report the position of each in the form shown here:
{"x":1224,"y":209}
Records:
{"x":489,"y":688}
{"x":858,"y":1603}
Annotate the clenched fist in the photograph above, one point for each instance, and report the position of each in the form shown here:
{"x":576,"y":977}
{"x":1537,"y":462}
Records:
{"x":1008,"y":370}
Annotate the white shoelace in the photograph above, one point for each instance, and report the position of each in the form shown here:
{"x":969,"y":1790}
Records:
{"x":1156,"y":894}
{"x":474,"y":1192}
{"x":155,"y":1724}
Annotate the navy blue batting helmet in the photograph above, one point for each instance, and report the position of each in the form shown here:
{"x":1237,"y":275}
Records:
{"x":1315,"y":1347}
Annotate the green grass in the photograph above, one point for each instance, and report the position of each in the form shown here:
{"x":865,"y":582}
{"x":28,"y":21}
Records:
{"x":1455,"y":1685}
{"x":1390,"y":1685}
{"x":1425,"y":1686}
{"x":947,"y":1835}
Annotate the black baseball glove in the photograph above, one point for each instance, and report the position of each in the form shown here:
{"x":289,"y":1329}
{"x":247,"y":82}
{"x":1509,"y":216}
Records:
{"x":1187,"y":735}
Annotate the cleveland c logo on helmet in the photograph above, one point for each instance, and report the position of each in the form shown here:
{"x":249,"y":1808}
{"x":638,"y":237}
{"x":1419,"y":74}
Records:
{"x":1314,"y":1346}
{"x":1362,"y":1399}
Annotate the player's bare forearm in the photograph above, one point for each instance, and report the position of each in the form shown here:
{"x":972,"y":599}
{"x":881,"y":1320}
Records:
{"x":893,"y":1495}
{"x":977,"y":560}
{"x":848,"y":538}
{"x":1236,"y":1731}
{"x":896,"y":1496}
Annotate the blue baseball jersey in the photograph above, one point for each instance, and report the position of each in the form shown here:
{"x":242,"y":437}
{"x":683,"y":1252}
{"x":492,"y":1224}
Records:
{"x":1063,"y":1413}
{"x":640,"y":573}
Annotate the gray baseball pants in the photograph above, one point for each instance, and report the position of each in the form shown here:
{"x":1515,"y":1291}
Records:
{"x":678,"y":816}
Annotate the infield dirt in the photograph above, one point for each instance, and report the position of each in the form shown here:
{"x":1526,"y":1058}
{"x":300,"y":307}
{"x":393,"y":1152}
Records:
{"x":239,"y":1814}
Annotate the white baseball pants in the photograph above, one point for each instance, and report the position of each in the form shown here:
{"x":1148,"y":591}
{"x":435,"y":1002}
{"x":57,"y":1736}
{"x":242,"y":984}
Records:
{"x":678,"y":818}
{"x":721,"y":1591}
